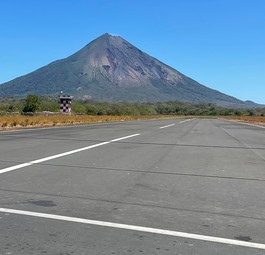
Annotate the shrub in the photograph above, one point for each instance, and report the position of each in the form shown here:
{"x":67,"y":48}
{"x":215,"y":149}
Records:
{"x":32,"y":103}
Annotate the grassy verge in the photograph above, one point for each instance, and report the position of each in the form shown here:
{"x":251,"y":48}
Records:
{"x":258,"y":120}
{"x":19,"y":121}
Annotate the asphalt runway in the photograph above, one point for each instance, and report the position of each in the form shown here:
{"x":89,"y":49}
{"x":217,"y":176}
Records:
{"x":172,"y":186}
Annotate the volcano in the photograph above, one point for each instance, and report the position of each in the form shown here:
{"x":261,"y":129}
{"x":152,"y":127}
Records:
{"x":111,"y":69}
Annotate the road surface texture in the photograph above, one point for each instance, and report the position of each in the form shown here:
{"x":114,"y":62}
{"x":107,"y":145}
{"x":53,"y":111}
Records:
{"x":174,"y":186}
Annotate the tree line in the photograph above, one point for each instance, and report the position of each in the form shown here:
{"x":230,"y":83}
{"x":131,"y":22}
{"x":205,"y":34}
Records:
{"x":33,"y":103}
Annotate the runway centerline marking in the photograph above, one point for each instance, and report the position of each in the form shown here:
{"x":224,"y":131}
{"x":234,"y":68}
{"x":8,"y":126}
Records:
{"x":167,"y":126}
{"x":12,"y":168}
{"x":137,"y":228}
{"x":185,"y":121}
{"x":123,"y":138}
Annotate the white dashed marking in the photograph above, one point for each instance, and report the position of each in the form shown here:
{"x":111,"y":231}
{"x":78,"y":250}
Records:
{"x":167,"y":126}
{"x":12,"y":168}
{"x":137,"y":228}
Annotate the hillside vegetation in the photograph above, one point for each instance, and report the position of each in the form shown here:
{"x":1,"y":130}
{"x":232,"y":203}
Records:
{"x":49,"y":105}
{"x":45,"y":112}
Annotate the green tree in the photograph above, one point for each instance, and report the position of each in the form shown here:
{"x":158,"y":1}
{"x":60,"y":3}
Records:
{"x":79,"y":108}
{"x":32,"y":103}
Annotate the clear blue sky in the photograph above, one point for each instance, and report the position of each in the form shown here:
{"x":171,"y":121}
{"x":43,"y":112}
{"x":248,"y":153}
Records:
{"x":219,"y":43}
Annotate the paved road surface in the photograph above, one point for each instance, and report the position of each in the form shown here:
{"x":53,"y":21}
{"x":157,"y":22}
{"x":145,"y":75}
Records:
{"x":175,"y":186}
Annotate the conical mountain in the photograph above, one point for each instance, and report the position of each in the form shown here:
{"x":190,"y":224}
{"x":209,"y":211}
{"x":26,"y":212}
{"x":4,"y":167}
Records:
{"x":111,"y":69}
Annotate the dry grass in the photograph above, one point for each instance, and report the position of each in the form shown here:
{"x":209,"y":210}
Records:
{"x":258,"y":120}
{"x":19,"y":121}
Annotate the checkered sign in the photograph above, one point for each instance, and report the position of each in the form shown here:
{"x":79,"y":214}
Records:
{"x":65,"y":104}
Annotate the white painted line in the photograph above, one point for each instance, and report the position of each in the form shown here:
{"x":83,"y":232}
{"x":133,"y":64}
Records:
{"x":8,"y":169}
{"x":138,"y":228}
{"x":67,"y":153}
{"x":122,"y":138}
{"x":12,"y":168}
{"x":167,"y":126}
{"x":185,"y":121}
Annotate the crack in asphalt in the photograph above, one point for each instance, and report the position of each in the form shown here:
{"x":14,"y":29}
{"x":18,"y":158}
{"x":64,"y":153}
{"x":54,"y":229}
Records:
{"x":135,"y":204}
